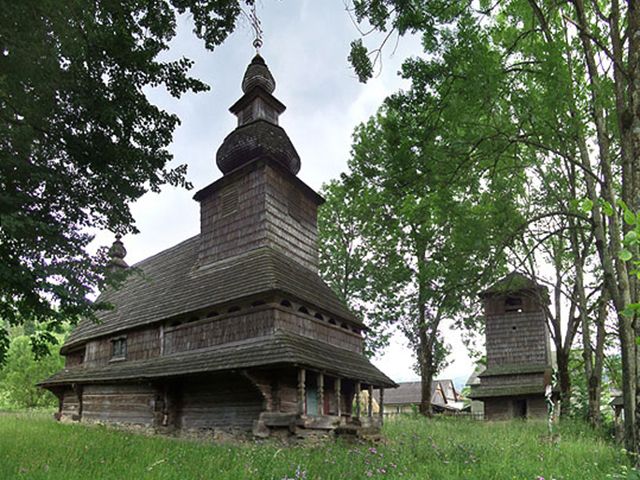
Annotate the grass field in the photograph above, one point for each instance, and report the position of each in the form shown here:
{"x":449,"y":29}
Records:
{"x":33,"y":446}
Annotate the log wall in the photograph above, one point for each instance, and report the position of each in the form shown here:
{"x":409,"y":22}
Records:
{"x":220,"y":401}
{"x":119,"y":403}
{"x":70,"y":405}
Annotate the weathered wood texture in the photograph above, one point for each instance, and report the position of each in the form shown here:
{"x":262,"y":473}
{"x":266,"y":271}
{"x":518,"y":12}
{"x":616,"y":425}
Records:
{"x":74,"y":359}
{"x":515,"y":380}
{"x":318,"y":329}
{"x":141,"y":344}
{"x":70,"y":405}
{"x":119,"y":403}
{"x":517,"y":338}
{"x":504,"y":408}
{"x":258,"y":207}
{"x":215,"y":331}
{"x":291,"y":218}
{"x":232,"y":218}
{"x":222,"y":401}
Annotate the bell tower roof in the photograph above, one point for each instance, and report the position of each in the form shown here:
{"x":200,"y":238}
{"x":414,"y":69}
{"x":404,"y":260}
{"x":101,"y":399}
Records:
{"x":258,"y":133}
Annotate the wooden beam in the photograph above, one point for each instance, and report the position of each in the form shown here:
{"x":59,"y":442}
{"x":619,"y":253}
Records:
{"x":381,"y":406}
{"x":338,"y":392}
{"x":301,"y":393}
{"x":370,"y":406}
{"x":320,"y":384}
{"x":358,"y":399}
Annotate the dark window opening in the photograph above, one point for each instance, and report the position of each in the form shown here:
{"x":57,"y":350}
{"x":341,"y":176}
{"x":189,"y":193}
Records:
{"x":514,"y":328}
{"x":233,"y":309}
{"x":285,"y":303}
{"x":303,"y":310}
{"x":319,"y":316}
{"x":345,"y":326}
{"x":520,"y":409}
{"x":513,"y":304}
{"x":332,"y":321}
{"x":118,"y":348}
{"x":356,"y":330}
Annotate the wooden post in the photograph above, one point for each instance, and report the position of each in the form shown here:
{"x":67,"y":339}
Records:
{"x":370,"y":406}
{"x":357,"y":399}
{"x":381,"y":406}
{"x":320,"y":384}
{"x":338,"y":392}
{"x":301,"y":382}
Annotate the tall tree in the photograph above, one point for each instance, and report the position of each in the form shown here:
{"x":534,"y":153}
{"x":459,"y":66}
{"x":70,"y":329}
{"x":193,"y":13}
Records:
{"x":435,"y":200}
{"x":587,"y":53}
{"x":80,"y":141}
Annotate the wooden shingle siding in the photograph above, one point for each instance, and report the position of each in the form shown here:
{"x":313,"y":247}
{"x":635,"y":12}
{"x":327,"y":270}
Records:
{"x":141,"y":345}
{"x":516,"y":338}
{"x":230,"y":328}
{"x":222,"y":401}
{"x":318,"y":330}
{"x":523,"y":379}
{"x":291,"y":219}
{"x":228,"y":230}
{"x":119,"y":403}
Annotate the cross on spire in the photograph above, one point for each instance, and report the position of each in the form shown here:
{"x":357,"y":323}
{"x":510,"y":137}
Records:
{"x":257,"y":27}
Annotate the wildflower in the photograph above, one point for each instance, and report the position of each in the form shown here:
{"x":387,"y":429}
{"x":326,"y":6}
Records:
{"x":373,"y":451}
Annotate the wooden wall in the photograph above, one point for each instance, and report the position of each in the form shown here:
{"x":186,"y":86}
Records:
{"x":305,"y":325}
{"x":141,"y":344}
{"x":258,"y":207}
{"x":232,"y":218}
{"x":521,"y":379}
{"x":70,"y":405}
{"x":218,"y":330}
{"x":220,"y":401}
{"x":119,"y":403}
{"x":517,"y":338}
{"x":502,"y":408}
{"x":291,"y":218}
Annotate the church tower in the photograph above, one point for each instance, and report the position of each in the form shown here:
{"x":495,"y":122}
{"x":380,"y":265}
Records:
{"x":518,"y":350}
{"x":259,"y":202}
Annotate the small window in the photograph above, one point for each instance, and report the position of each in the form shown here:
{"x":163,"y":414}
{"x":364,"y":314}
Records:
{"x":303,"y":310}
{"x":513,"y":304}
{"x":118,"y":348}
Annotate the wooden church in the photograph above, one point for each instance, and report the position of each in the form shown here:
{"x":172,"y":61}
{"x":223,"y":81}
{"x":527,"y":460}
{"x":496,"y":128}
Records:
{"x":233,"y":329}
{"x":518,"y":350}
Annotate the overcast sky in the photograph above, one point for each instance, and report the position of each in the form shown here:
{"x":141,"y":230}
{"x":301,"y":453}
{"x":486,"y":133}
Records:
{"x":306,"y":44}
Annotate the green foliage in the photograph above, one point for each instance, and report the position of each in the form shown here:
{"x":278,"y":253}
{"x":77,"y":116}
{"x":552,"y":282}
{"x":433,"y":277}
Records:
{"x":80,"y":141}
{"x":21,"y":372}
{"x":444,"y":448}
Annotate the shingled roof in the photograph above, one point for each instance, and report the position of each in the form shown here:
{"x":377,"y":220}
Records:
{"x":280,"y":348}
{"x":410,"y":393}
{"x":171,"y":284}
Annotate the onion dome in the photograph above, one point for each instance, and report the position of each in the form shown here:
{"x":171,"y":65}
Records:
{"x":258,"y":133}
{"x":117,"y":252}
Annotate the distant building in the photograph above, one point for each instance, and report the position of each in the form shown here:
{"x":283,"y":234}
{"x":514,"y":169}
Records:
{"x":407,"y":397}
{"x":518,"y":350}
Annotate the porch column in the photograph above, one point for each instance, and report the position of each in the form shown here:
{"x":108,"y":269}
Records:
{"x":301,"y":381}
{"x":338,"y":392}
{"x":370,"y":406}
{"x":381,"y":406}
{"x":357,"y":399}
{"x":320,"y":383}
